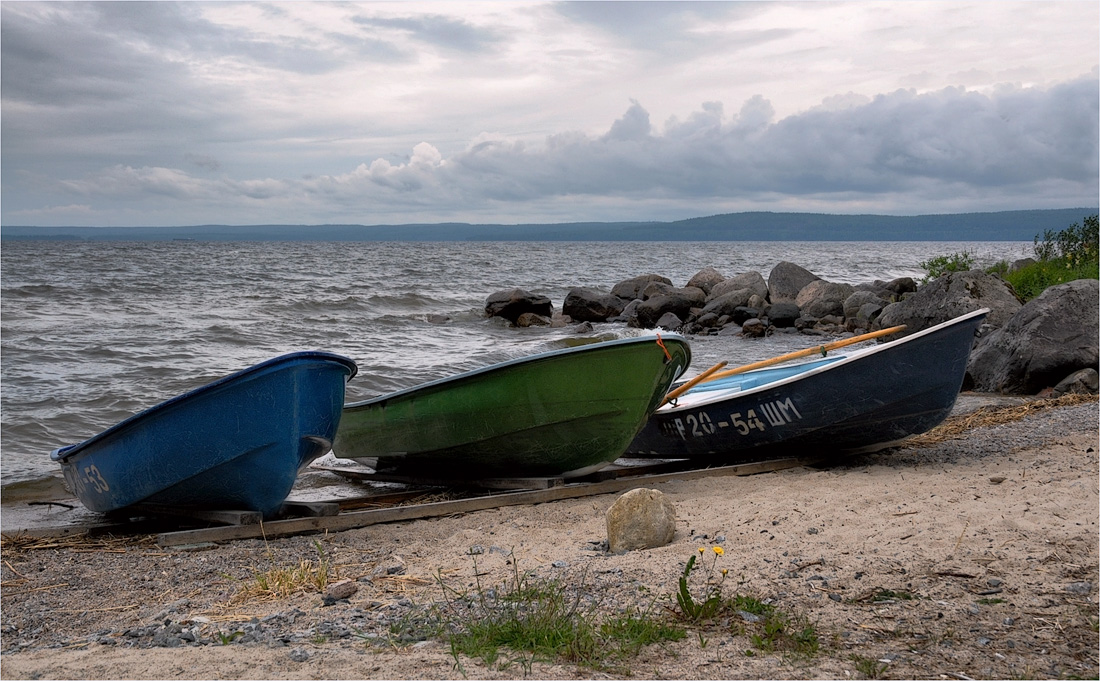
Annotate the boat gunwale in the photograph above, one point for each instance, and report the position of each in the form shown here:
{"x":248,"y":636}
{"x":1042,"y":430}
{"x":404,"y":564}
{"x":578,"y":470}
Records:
{"x":526,"y":359}
{"x":721,"y":395}
{"x":63,"y":454}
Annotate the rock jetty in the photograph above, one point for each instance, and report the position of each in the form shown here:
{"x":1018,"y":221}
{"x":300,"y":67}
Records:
{"x":1051,"y":343}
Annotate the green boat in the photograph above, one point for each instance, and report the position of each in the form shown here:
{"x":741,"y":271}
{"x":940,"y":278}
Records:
{"x":561,"y":413}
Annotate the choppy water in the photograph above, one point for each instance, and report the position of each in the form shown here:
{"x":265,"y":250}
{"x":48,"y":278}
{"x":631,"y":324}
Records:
{"x":93,"y":332}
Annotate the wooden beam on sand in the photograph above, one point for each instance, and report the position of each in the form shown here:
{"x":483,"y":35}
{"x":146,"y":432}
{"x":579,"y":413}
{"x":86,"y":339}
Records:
{"x":357,"y":519}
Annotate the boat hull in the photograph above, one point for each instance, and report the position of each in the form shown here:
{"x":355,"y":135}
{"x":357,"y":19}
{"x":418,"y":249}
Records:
{"x":234,"y":444}
{"x":859,"y":400}
{"x":558,"y":413}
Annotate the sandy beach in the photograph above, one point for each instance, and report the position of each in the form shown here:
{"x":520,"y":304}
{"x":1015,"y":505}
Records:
{"x":971,"y":552}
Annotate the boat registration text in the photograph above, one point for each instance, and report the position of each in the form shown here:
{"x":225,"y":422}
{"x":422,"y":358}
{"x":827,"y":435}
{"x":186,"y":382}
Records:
{"x":700,"y":424}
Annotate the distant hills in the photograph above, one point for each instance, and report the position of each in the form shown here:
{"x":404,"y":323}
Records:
{"x":1016,"y":225}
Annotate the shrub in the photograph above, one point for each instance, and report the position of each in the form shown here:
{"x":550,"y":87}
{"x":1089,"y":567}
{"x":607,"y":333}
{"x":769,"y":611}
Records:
{"x":1062,"y":256}
{"x":943,"y":264}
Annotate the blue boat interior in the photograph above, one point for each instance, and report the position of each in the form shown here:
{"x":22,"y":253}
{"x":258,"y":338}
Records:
{"x":752,"y":379}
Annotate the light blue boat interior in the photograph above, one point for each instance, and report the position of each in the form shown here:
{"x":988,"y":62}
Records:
{"x":758,"y":377}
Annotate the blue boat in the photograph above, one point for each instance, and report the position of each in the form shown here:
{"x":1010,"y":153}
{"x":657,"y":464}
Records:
{"x":856,"y":400}
{"x":234,"y":444}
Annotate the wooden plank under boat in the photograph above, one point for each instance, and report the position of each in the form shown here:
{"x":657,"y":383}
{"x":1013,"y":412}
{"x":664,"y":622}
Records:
{"x":862,"y":399}
{"x":234,"y":444}
{"x":560,"y":413}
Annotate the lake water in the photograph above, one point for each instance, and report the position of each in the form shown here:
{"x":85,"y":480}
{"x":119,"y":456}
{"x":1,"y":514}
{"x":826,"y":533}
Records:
{"x":93,"y":332}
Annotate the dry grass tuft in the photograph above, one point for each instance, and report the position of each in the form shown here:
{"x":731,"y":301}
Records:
{"x":15,"y":543}
{"x":956,"y":427}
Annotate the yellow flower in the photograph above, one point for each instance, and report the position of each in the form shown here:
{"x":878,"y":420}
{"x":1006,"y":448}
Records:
{"x":701,"y":549}
{"x":719,"y":550}
{"x":725,"y":572}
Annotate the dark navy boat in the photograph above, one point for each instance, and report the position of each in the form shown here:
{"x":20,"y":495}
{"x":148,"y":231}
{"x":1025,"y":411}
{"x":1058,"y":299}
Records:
{"x":234,"y":444}
{"x":858,"y":400}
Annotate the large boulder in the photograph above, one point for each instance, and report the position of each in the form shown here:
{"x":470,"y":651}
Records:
{"x":950,"y":296}
{"x":1048,"y":339}
{"x":512,"y":303}
{"x":678,"y":301}
{"x":854,"y":302}
{"x":820,"y":298}
{"x":787,"y":279}
{"x":640,"y":519}
{"x":705,"y":279}
{"x":725,"y":304}
{"x":631,"y":289}
{"x":592,"y":305}
{"x":753,"y":281}
{"x":783,"y":315}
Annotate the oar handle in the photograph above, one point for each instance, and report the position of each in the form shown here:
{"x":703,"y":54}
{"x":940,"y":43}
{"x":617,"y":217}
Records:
{"x":692,"y":383}
{"x":807,"y":352}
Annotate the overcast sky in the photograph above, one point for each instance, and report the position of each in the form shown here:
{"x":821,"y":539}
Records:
{"x":162,"y":113}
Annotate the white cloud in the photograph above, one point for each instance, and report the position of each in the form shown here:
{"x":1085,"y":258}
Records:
{"x":174,"y":113}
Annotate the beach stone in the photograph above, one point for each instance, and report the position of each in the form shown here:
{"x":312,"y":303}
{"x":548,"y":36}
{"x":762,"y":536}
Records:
{"x":1020,"y":264}
{"x":705,"y":279}
{"x":670,"y":322}
{"x":679,"y":303}
{"x":1054,"y":335}
{"x":512,"y":303}
{"x":345,"y":588}
{"x":855,"y":302}
{"x":786,"y":279}
{"x":1083,"y":382}
{"x":783,"y":314}
{"x":753,"y":281}
{"x":726,"y":303}
{"x":631,"y":289}
{"x":754,"y":328}
{"x":950,"y":296}
{"x":592,"y":305}
{"x":820,"y":298}
{"x":640,"y":519}
{"x":529,"y":319}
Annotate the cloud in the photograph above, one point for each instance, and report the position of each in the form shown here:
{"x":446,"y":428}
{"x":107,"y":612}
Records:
{"x":950,"y":143}
{"x":244,"y":112}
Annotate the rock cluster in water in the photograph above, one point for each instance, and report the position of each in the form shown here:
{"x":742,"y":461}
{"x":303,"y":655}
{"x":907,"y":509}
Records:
{"x":1049,"y":343}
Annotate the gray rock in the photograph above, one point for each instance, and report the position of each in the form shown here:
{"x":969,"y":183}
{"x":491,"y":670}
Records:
{"x":951,"y":296}
{"x":670,"y":322}
{"x":726,"y":303}
{"x":820,"y":298}
{"x":754,"y":328}
{"x":679,"y":302}
{"x":1049,"y":338}
{"x":787,"y":279}
{"x":631,"y":289}
{"x":705,"y":279}
{"x":592,"y":305}
{"x":1021,"y":264}
{"x":529,"y":319}
{"x":511,"y":304}
{"x":299,"y":654}
{"x":855,"y":302}
{"x":753,"y":281}
{"x":640,"y":519}
{"x":783,"y":314}
{"x":345,"y":588}
{"x":1083,"y":382}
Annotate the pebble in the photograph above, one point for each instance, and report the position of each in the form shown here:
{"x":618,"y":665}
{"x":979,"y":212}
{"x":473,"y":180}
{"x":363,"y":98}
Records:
{"x":299,"y":655}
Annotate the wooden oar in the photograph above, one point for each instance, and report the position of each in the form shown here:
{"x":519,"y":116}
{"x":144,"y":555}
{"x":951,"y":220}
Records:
{"x":693,"y":382}
{"x":806,"y":353}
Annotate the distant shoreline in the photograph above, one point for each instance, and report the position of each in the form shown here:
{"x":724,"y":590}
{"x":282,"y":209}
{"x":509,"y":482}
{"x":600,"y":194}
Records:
{"x":1019,"y":225}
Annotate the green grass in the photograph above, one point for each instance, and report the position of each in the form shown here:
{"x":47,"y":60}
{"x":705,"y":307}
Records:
{"x":543,"y":619}
{"x":870,"y":668}
{"x":1030,"y":281}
